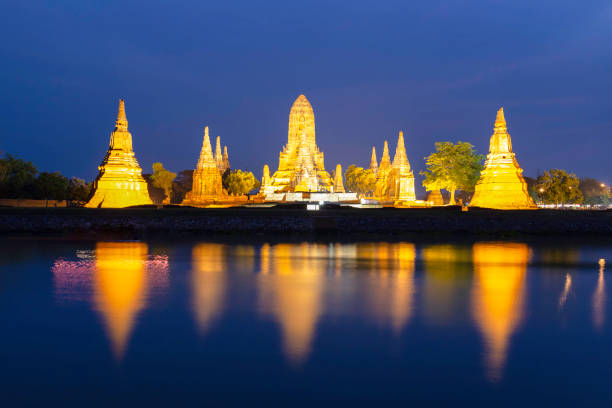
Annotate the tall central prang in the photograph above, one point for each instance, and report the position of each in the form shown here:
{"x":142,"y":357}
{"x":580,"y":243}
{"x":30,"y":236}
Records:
{"x":301,"y":166}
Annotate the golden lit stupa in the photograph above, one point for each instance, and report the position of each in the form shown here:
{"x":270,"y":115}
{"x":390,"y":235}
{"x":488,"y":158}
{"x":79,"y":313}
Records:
{"x":435,"y":198}
{"x":395,"y":180}
{"x":501,"y":184}
{"x":498,"y":297}
{"x":373,"y":162}
{"x":301,"y":165}
{"x":119,"y":182}
{"x":207,"y":183}
{"x":338,"y":183}
{"x":120,"y":288}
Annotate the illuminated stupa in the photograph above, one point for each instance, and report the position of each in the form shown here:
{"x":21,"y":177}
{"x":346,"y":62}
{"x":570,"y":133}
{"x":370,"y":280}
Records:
{"x":207,"y":183}
{"x":119,"y":182}
{"x":435,"y":198}
{"x":395,"y":180}
{"x":338,"y":183}
{"x":373,"y":162}
{"x":501,"y":184}
{"x":301,"y":165}
{"x":221,"y":159}
{"x":402,"y":178}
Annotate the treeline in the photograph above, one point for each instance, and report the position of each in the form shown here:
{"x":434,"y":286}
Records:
{"x":21,"y":179}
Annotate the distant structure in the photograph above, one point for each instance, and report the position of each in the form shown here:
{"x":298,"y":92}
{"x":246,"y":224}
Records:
{"x":338,"y":183}
{"x":395,"y":180}
{"x":265,"y":181}
{"x":221,"y":160}
{"x":301,"y":174}
{"x":301,"y":164}
{"x":207,"y":183}
{"x":501,"y":184}
{"x":373,"y":162}
{"x":119,"y":182}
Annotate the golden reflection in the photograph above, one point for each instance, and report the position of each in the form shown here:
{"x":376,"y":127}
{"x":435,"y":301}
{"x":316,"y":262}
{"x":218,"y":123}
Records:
{"x":391,"y":289}
{"x":290,"y":289}
{"x":599,"y":298}
{"x":448,"y":268}
{"x":498,"y":297}
{"x":208,"y":282}
{"x":566,"y":290}
{"x":120,"y":287}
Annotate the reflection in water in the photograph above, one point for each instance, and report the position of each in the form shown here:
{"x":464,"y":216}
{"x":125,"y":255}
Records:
{"x":599,"y":298}
{"x":208,"y":282}
{"x":498,"y":297}
{"x":120,"y":274}
{"x":448,"y":269}
{"x":290,"y":288}
{"x":391,"y":288}
{"x":120,"y":287}
{"x":566,"y":290}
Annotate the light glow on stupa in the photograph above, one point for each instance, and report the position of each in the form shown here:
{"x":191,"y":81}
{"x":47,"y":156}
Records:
{"x":301,"y":165}
{"x":119,"y":182}
{"x":501,"y":184}
{"x":207,"y":183}
{"x":395,"y":180}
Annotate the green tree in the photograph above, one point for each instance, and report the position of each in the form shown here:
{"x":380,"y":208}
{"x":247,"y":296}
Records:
{"x":78,"y":190}
{"x":17,"y":178}
{"x":51,"y":186}
{"x":359,"y":180}
{"x":163,"y":179}
{"x":238,"y":182}
{"x":557,"y":186}
{"x":452,"y":167}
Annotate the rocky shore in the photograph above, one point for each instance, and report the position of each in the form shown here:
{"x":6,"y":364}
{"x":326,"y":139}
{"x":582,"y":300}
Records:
{"x":342,"y":221}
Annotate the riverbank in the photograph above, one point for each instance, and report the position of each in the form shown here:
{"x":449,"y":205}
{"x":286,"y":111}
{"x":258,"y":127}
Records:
{"x":340,"y":221}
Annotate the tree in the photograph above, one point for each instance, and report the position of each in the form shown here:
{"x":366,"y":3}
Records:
{"x":163,"y":179}
{"x":17,"y":178}
{"x":51,"y":186}
{"x":359,"y":180}
{"x":556,"y":186}
{"x":78,"y":190}
{"x":594,"y":191}
{"x":238,"y":182}
{"x":452,"y":167}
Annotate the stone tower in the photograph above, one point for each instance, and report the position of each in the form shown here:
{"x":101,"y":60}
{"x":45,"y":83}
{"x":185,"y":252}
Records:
{"x":501,"y":184}
{"x":401,"y":186}
{"x":265,"y":180}
{"x":218,"y":155}
{"x":207,"y":183}
{"x":381,"y":190}
{"x":373,"y":162}
{"x":226,"y":163}
{"x":338,"y":183}
{"x":119,"y":182}
{"x":301,"y":165}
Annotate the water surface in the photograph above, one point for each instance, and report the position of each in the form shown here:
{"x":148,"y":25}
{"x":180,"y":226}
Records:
{"x":303,"y":323}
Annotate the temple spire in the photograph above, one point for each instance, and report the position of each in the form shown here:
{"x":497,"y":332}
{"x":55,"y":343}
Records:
{"x":338,"y":182}
{"x":121,"y":124}
{"x":206,"y":156}
{"x":218,"y":156}
{"x":226,"y":164}
{"x":500,"y":120}
{"x":400,"y":157}
{"x":385,"y":161}
{"x":373,"y":162}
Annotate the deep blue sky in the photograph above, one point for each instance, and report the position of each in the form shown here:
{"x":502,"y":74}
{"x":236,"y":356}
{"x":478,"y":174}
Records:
{"x":438,"y":70}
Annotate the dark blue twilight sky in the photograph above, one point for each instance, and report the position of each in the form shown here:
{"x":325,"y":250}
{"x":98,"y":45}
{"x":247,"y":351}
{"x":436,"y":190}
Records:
{"x":438,"y":70}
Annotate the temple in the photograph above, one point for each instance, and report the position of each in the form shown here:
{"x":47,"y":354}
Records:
{"x":301,"y":174}
{"x":395,"y":180}
{"x":207,"y":182}
{"x":119,"y":182}
{"x":338,"y":182}
{"x":501,"y":184}
{"x":221,"y":160}
{"x":373,"y":162}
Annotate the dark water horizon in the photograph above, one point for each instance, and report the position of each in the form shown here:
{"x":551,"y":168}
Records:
{"x":286,"y":322}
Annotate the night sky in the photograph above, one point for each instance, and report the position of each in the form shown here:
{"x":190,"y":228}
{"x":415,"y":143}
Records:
{"x":438,"y":70}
